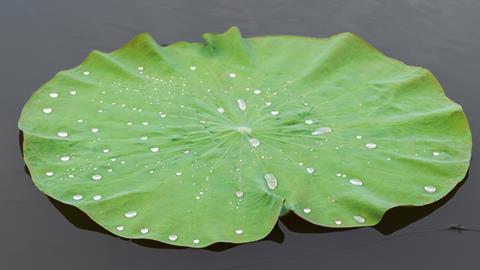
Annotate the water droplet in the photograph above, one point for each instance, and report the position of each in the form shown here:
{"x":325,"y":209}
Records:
{"x":47,"y":110}
{"x":242,"y":105}
{"x":73,"y":93}
{"x":310,"y":170}
{"x":232,"y":75}
{"x":77,"y":197}
{"x":257,"y":92}
{"x":49,"y":173}
{"x":271,"y":180}
{"x":53,"y":95}
{"x":371,"y":145}
{"x":178,"y":173}
{"x":62,"y":134}
{"x":120,"y":228}
{"x":359,"y":137}
{"x":436,"y":153}
{"x":97,"y":177}
{"x":144,"y":138}
{"x":162,"y":114}
{"x":86,"y":73}
{"x":221,"y":110}
{"x":173,"y":237}
{"x":140,"y":68}
{"x":356,"y":182}
{"x":307,"y":210}
{"x":274,"y":112}
{"x":97,"y":197}
{"x":321,"y":131}
{"x":130,"y":214}
{"x":430,"y":189}
{"x":106,"y":150}
{"x":308,"y":122}
{"x":359,"y":219}
{"x":239,"y":194}
{"x":254,"y":142}
{"x":193,"y":68}
{"x":154,"y":149}
{"x":238,"y":231}
{"x":338,"y":222}
{"x":196,"y":241}
{"x":94,"y":130}
{"x":144,"y":230}
{"x":64,"y":158}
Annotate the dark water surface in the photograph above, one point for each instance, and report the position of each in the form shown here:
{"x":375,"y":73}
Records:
{"x":39,"y":38}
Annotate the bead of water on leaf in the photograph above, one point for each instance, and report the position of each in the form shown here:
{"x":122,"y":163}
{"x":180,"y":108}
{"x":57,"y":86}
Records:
{"x":94,"y":130}
{"x":238,"y":231}
{"x":221,"y":110}
{"x":64,"y":158}
{"x":254,"y":142}
{"x":430,"y":189}
{"x":47,"y":110}
{"x":196,"y":241}
{"x":97,"y":197}
{"x":356,"y":182}
{"x":144,"y":230}
{"x":338,"y":222}
{"x":310,"y":170}
{"x":73,"y":93}
{"x":232,"y":75}
{"x":307,"y":210}
{"x":173,"y":237}
{"x":62,"y":134}
{"x":130,"y":214}
{"x":321,"y":131}
{"x":436,"y":153}
{"x":53,"y":95}
{"x":49,"y":173}
{"x":193,"y":68}
{"x":274,"y":112}
{"x":359,"y":219}
{"x":239,"y":194}
{"x":308,"y":122}
{"x":97,"y":177}
{"x":271,"y":181}
{"x":120,"y":228}
{"x":242,"y":105}
{"x":359,"y":137}
{"x":77,"y":197}
{"x":154,"y":149}
{"x":371,"y":145}
{"x":257,"y":92}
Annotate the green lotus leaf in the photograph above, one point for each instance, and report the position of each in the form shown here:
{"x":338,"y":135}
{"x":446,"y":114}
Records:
{"x":196,"y":143}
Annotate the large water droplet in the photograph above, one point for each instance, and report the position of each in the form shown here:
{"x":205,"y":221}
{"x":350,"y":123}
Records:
{"x":242,"y":105}
{"x":371,"y":145}
{"x":130,"y":214}
{"x":356,"y":182}
{"x":271,"y":181}
{"x":359,"y":219}
{"x":62,"y":134}
{"x":173,"y":237}
{"x":97,"y":177}
{"x":321,"y":131}
{"x":430,"y":189}
{"x":254,"y":142}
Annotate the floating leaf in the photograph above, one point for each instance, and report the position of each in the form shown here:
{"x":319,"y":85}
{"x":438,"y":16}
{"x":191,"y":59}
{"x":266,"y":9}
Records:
{"x":196,"y":143}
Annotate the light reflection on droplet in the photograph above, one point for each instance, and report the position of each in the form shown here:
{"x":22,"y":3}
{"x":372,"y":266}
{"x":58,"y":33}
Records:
{"x":307,"y":210}
{"x":430,"y":189}
{"x":238,"y":231}
{"x":221,"y":110}
{"x":254,"y":142}
{"x":62,"y":134}
{"x":242,"y":105}
{"x":321,"y":131}
{"x":173,"y":237}
{"x":154,"y":149}
{"x":77,"y":197}
{"x":271,"y":181}
{"x":359,"y":219}
{"x":239,"y":194}
{"x":144,"y":230}
{"x":356,"y":182}
{"x":371,"y":145}
{"x":97,"y":197}
{"x":47,"y":110}
{"x":130,"y":214}
{"x":64,"y":158}
{"x":310,"y":170}
{"x":97,"y":177}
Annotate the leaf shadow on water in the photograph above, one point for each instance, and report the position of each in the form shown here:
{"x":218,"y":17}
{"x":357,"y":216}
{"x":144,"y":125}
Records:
{"x":393,"y":220}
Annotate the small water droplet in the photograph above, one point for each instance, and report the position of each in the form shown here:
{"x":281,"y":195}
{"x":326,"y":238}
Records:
{"x":196,"y":241}
{"x":436,"y":153}
{"x":86,"y":73}
{"x":53,"y":95}
{"x":47,"y":110}
{"x":144,"y":138}
{"x":77,"y":197}
{"x":239,"y":194}
{"x":97,"y":197}
{"x":144,"y":230}
{"x":356,"y":182}
{"x":371,"y":145}
{"x":254,"y":142}
{"x":274,"y":112}
{"x":321,"y":131}
{"x":308,"y":122}
{"x":173,"y":237}
{"x":106,"y":150}
{"x":359,"y":137}
{"x":97,"y":177}
{"x":73,"y":93}
{"x":192,"y":68}
{"x":140,"y":68}
{"x":310,"y":170}
{"x":430,"y":189}
{"x":64,"y":158}
{"x":307,"y":210}
{"x":62,"y":134}
{"x":242,"y":105}
{"x":271,"y":181}
{"x":130,"y":214}
{"x":338,"y":222}
{"x":94,"y":130}
{"x":120,"y":228}
{"x":257,"y":92}
{"x":359,"y":219}
{"x":238,"y":231}
{"x":154,"y":149}
{"x":232,"y":75}
{"x":178,"y":173}
{"x":49,"y":173}
{"x":221,"y":110}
